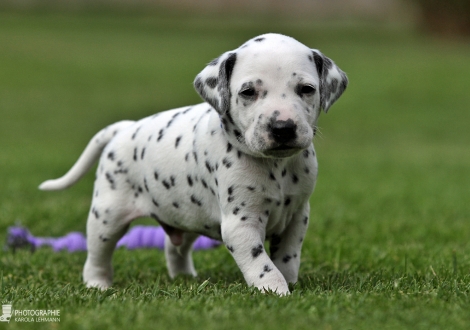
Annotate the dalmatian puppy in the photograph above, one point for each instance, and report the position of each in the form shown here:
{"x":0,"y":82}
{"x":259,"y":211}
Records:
{"x":239,"y":168}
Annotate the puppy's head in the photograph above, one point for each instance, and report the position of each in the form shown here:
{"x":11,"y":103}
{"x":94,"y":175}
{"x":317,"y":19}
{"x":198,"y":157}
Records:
{"x":269,"y":93}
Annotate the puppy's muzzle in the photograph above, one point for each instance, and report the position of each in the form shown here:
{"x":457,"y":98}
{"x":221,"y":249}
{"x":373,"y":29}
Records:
{"x":284,"y":132}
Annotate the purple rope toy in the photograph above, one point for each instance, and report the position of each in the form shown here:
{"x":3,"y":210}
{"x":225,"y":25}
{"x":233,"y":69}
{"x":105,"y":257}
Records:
{"x":138,"y":237}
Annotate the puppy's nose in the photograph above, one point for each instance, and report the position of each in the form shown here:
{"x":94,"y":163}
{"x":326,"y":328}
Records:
{"x":284,"y":131}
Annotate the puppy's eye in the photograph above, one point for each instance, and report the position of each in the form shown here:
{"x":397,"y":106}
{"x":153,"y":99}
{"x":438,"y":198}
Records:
{"x":305,"y":90}
{"x":248,"y":92}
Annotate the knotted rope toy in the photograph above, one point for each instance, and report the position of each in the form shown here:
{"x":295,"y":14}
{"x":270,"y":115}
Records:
{"x":138,"y":237}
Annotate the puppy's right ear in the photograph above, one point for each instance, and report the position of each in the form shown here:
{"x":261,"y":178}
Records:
{"x":333,"y":81}
{"x":213,"y":83}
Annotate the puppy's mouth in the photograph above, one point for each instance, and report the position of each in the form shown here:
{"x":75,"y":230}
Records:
{"x":282,"y":151}
{"x":282,"y":147}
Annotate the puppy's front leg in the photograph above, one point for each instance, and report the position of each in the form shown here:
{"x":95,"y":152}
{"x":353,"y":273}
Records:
{"x":285,"y":248}
{"x":244,"y":239}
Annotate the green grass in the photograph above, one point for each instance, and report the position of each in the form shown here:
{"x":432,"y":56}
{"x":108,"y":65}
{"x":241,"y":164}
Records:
{"x":388,"y":246}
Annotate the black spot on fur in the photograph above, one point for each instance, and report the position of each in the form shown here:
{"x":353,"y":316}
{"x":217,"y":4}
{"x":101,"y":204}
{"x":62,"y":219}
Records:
{"x":155,"y":175}
{"x":111,"y":155}
{"x":196,"y":201}
{"x":295,"y":179}
{"x":160,"y":135}
{"x":145,"y":185}
{"x":135,"y":133}
{"x":266,"y":269}
{"x":172,"y":119}
{"x":111,"y":181}
{"x":226,"y":162}
{"x":229,"y":147}
{"x":142,"y":154}
{"x":166,"y":184}
{"x":257,"y":250}
{"x":155,"y":202}
{"x":238,"y":135}
{"x":135,"y":154}
{"x":120,"y":171}
{"x":230,"y":248}
{"x":286,"y":258}
{"x":208,"y":166}
{"x":176,"y":205}
{"x":212,"y":82}
{"x":177,"y":141}
{"x":236,"y":210}
{"x":190,"y":180}
{"x":259,"y":39}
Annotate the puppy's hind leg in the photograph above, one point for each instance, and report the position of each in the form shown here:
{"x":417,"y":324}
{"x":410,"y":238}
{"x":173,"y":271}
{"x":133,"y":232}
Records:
{"x":105,"y":227}
{"x":179,"y":257}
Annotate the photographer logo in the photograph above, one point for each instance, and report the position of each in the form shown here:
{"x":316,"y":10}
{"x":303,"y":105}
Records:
{"x":28,"y":315}
{"x":6,"y":313}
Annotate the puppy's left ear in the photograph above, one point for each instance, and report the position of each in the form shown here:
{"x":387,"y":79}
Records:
{"x":213,"y":83}
{"x":333,"y":81}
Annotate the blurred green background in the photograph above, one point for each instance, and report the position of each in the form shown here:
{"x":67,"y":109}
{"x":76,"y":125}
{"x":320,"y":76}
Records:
{"x":393,"y":188}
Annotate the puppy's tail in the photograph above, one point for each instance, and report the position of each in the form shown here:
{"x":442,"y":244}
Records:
{"x":89,"y":156}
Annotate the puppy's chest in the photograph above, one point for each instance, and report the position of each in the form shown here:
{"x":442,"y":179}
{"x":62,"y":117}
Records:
{"x":268,"y":192}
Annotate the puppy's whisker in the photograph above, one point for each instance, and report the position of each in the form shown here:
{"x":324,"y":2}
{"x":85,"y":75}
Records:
{"x":317,"y":132}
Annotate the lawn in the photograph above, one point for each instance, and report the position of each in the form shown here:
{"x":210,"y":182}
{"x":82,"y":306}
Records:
{"x":389,"y":242}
